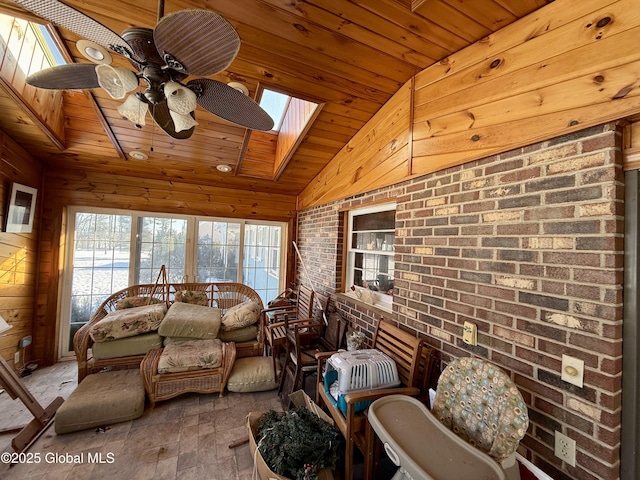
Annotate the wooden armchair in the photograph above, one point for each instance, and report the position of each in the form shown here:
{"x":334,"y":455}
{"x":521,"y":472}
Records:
{"x":414,"y":361}
{"x":279,"y":319}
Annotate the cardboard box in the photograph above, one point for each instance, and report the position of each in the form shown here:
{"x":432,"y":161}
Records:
{"x":299,"y":399}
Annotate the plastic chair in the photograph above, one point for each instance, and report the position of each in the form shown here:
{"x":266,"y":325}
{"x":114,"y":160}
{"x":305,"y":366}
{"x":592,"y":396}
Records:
{"x":480,"y":403}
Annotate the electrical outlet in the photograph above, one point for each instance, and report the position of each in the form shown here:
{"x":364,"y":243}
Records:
{"x":16,"y":358}
{"x":565,"y":448}
{"x":470,"y":333}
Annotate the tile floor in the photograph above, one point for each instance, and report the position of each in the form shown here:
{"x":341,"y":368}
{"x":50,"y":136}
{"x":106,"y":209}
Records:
{"x":184,"y":438}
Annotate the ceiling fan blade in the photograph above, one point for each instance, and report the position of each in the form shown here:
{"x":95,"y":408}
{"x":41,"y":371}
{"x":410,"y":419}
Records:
{"x":162,"y":117}
{"x":230,"y":104}
{"x":72,"y":76}
{"x":74,"y":20}
{"x":199,"y":42}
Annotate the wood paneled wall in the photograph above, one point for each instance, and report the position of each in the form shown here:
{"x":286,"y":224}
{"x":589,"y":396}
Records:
{"x":556,"y":71}
{"x":70,"y":187}
{"x":18,"y":251}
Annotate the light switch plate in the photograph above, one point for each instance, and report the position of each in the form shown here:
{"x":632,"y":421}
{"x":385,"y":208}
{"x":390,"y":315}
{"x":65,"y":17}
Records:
{"x":470,"y":333}
{"x":572,"y":370}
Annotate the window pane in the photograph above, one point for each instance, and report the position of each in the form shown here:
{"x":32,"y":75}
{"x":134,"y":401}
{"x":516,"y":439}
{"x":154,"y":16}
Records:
{"x":218,"y":251}
{"x":163,"y":242}
{"x":261,"y":268}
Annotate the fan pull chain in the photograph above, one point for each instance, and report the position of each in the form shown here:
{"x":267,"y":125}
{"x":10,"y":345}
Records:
{"x":153,"y":127}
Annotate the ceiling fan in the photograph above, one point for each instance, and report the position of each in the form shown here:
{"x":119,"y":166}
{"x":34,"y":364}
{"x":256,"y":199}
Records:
{"x":185,"y":43}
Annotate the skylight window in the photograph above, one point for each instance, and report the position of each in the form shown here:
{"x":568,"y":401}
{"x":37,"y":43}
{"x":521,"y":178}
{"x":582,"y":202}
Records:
{"x":28,"y":44}
{"x":275,"y":104}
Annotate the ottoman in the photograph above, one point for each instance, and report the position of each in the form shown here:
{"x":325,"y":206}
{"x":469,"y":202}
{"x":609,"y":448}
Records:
{"x":102,"y":399}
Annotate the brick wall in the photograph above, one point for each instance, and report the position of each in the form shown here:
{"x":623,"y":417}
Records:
{"x":528,"y":245}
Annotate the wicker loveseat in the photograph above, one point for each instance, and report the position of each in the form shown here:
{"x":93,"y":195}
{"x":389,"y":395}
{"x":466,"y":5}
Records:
{"x":222,"y":295}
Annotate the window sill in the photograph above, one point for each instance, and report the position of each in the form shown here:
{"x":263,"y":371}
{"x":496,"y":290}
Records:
{"x":381,"y":308}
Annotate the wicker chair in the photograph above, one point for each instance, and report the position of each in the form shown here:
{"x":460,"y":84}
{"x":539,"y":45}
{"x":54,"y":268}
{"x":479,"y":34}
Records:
{"x":169,"y":385}
{"x":82,"y":341}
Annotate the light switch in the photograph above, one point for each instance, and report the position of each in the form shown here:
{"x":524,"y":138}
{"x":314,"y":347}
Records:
{"x":572,"y":370}
{"x":470,"y":333}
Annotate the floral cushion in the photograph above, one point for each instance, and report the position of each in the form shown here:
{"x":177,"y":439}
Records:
{"x":192,"y":296}
{"x":131,"y":302}
{"x":190,"y":355}
{"x":193,"y":321}
{"x":241,"y":315}
{"x":128,"y":322}
{"x":480,"y":403}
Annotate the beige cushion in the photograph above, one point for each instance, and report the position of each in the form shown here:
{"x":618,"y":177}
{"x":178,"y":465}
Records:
{"x":130,"y":302}
{"x":102,"y":399}
{"x":125,"y":347}
{"x":188,"y":320}
{"x":252,"y":374}
{"x":192,"y":296}
{"x":244,"y":334}
{"x":190,"y":355}
{"x":241,"y":315}
{"x":128,"y":322}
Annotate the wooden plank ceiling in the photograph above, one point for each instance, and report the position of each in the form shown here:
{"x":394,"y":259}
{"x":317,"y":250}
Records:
{"x":350,"y":55}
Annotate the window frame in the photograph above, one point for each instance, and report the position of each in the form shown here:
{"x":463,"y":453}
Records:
{"x":380,"y":300}
{"x":191,"y":269}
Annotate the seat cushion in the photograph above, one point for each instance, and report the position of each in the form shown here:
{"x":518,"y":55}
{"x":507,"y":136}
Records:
{"x":241,"y":315}
{"x":244,"y":334}
{"x":128,"y":346}
{"x":128,"y":322}
{"x":190,"y":321}
{"x":102,"y":399}
{"x":252,"y":374}
{"x":190,"y":355}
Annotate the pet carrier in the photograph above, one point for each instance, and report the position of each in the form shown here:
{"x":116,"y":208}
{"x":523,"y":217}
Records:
{"x":357,"y":370}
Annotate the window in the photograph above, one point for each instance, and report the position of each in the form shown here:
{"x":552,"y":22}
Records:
{"x":113,"y":249}
{"x":275,"y":104}
{"x":370,"y":252}
{"x":28,"y":44}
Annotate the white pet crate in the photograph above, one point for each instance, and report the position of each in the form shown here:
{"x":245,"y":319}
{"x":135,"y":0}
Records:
{"x":358,"y":370}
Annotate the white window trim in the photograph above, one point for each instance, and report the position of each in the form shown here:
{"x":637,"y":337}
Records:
{"x":376,"y":299}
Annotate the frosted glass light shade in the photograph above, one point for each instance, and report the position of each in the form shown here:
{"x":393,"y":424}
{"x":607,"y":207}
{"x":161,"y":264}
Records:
{"x":134,"y":110}
{"x":180,"y":99}
{"x":116,"y":81}
{"x":182,"y":122}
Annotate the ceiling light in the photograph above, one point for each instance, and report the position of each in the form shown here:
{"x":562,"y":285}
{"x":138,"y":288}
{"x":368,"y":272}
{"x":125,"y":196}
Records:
{"x":240,"y":87}
{"x":138,"y":155}
{"x":224,"y":168}
{"x":93,"y":52}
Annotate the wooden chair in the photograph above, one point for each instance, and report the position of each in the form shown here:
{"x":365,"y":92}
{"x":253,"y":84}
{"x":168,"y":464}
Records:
{"x":278,"y":320}
{"x":408,"y":352}
{"x":304,"y":341}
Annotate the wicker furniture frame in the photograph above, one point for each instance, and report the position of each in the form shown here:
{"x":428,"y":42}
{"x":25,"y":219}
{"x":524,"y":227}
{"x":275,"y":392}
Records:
{"x":169,"y":385}
{"x":223,"y":295}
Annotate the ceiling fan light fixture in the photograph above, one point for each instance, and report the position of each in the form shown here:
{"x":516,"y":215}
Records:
{"x":134,"y":110}
{"x":240,"y":87}
{"x":223,"y":168}
{"x":182,"y":122}
{"x":180,"y":99}
{"x":93,"y":52}
{"x":116,"y":81}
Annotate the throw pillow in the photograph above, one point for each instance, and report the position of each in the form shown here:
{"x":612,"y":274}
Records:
{"x":241,"y":315}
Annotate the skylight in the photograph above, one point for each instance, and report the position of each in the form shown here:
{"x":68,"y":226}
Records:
{"x":275,"y":104}
{"x":29,"y":44}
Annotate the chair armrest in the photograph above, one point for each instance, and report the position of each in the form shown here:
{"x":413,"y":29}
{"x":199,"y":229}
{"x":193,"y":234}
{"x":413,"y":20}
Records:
{"x":322,"y":356}
{"x":367,"y":395}
{"x":284,"y":309}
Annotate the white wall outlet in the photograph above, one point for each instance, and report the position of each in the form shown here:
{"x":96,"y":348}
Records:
{"x":565,"y":448}
{"x":470,"y":333}
{"x":572,"y":370}
{"x":16,"y":358}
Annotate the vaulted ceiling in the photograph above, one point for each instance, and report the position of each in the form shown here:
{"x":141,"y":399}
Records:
{"x":351,"y":56}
